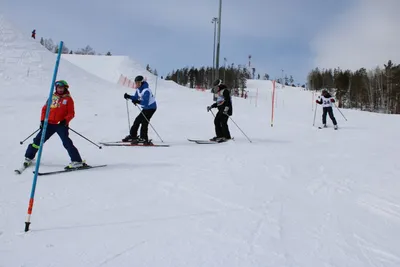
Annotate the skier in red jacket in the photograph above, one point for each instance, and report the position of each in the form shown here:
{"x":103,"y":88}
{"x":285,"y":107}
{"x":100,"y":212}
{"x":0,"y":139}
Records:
{"x":62,"y":111}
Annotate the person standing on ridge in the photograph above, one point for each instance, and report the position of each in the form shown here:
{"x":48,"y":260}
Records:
{"x":34,"y":34}
{"x":62,"y":111}
{"x":224,"y":105}
{"x":146,"y":99}
{"x":326,"y":101}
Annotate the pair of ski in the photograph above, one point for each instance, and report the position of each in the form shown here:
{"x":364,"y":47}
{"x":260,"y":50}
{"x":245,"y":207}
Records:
{"x":325,"y":128}
{"x":86,"y":167}
{"x":203,"y":142}
{"x":121,"y":143}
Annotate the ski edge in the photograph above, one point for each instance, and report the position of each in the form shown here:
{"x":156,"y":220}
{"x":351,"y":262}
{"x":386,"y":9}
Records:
{"x":200,"y":141}
{"x":129,"y":144}
{"x":72,"y":170}
{"x":21,"y":169}
{"x":320,"y":128}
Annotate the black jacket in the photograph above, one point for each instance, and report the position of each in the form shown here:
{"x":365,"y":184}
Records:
{"x":224,"y":101}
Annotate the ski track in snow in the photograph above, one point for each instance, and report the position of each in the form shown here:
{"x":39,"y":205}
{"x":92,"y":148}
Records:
{"x":119,"y":254}
{"x":375,"y":256}
{"x":325,"y":184}
{"x":380,"y":206}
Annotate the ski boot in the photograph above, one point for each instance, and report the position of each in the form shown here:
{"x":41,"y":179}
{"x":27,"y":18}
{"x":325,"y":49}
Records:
{"x":148,"y":143}
{"x":76,"y":165}
{"x":128,"y":138}
{"x":27,"y":162}
{"x":221,"y":140}
{"x":137,"y":140}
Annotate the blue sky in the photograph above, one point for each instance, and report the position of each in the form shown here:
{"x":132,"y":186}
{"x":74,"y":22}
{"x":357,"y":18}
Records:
{"x":292,"y":35}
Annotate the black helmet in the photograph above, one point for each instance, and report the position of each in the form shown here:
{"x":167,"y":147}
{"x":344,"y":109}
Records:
{"x":217,"y":82}
{"x":139,"y":78}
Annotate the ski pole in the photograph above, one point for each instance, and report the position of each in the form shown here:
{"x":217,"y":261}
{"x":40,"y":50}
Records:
{"x":315,"y":113}
{"x":236,"y":126}
{"x":212,"y":113}
{"x":340,"y":112}
{"x":129,"y":120}
{"x":240,"y":129}
{"x":141,"y":111}
{"x":85,"y":138}
{"x":21,"y":142}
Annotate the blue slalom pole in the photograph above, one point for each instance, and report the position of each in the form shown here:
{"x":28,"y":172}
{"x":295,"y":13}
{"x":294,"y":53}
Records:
{"x":49,"y":100}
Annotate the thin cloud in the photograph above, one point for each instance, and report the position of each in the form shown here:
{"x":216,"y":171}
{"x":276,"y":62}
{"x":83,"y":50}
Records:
{"x":176,"y":33}
{"x":259,"y":18}
{"x":366,"y":35}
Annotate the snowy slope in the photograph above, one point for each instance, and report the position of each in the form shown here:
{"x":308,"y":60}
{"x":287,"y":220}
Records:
{"x":295,"y":196}
{"x":116,"y":65}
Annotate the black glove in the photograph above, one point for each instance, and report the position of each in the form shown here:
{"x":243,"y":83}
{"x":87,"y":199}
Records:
{"x":63,"y":123}
{"x":41,"y":124}
{"x":137,"y":101}
{"x":126,"y":96}
{"x":208,"y":108}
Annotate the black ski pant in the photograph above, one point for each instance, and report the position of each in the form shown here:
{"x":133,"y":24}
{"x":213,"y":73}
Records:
{"x":325,"y":111}
{"x":221,"y":125}
{"x":142,"y":119}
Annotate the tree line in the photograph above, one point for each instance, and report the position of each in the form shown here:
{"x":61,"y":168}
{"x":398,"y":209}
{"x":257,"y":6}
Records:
{"x":52,"y":47}
{"x":233,"y":77}
{"x":376,"y":90}
{"x":205,"y":76}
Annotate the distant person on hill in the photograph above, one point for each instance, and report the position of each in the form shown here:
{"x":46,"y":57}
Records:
{"x":326,"y":101}
{"x":34,"y":34}
{"x":62,"y":111}
{"x":146,"y":99}
{"x":224,"y":105}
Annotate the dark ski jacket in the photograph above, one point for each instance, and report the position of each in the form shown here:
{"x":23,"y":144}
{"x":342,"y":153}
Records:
{"x":224,"y":101}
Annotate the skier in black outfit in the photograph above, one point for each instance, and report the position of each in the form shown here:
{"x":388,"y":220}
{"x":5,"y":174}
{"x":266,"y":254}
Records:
{"x":326,"y":101}
{"x":224,"y":105}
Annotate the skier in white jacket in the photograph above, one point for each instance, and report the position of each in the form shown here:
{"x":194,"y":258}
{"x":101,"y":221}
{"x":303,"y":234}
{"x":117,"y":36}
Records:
{"x":326,"y":101}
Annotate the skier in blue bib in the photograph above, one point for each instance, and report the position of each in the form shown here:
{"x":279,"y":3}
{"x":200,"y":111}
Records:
{"x":145,"y":98}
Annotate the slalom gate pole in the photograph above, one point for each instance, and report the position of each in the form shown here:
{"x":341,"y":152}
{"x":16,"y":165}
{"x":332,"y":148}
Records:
{"x":315,"y":113}
{"x":312,"y":101}
{"x":155,"y":91}
{"x":46,"y":120}
{"x":273,"y":103}
{"x":256,"y":98}
{"x":127,"y":113}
